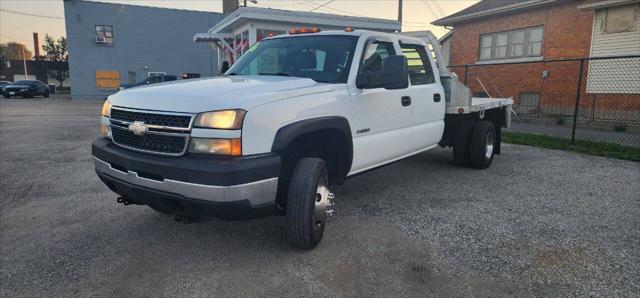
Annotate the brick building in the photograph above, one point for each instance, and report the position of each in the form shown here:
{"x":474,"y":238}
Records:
{"x":13,"y":70}
{"x":513,"y":48}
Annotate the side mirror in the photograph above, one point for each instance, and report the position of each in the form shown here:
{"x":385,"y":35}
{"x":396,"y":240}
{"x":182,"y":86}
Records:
{"x":225,"y":66}
{"x":396,"y":73}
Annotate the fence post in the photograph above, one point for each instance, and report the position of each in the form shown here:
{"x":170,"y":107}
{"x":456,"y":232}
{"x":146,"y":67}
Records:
{"x":575,"y":111}
{"x":466,"y":69}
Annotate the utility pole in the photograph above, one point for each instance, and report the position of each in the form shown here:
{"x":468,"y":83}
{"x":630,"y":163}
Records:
{"x":24,"y":62}
{"x":400,"y":13}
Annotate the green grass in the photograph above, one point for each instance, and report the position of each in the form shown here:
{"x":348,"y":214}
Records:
{"x":585,"y":147}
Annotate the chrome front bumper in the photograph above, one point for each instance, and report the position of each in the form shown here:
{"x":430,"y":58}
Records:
{"x":257,"y":193}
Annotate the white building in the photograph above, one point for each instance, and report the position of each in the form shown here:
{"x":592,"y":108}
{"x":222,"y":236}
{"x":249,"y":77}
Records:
{"x":235,"y":33}
{"x":616,"y":32}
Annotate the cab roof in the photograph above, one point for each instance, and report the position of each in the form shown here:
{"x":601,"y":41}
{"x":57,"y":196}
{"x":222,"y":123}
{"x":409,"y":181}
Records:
{"x":358,"y":33}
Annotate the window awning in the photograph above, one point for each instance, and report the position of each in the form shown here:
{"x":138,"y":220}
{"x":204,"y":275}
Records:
{"x":218,"y":39}
{"x":210,"y":37}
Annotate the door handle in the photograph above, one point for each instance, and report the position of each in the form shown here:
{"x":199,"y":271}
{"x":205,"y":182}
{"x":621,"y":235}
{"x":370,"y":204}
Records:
{"x":436,"y":97}
{"x":406,"y":100}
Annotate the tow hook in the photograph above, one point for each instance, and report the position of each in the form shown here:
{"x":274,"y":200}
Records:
{"x":185,"y":219}
{"x":123,"y":200}
{"x":331,"y":204}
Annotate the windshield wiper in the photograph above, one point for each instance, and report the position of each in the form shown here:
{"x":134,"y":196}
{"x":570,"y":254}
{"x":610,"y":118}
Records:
{"x":280,"y":74}
{"x":233,"y":74}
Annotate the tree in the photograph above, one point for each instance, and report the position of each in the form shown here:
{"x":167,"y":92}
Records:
{"x":14,"y":51}
{"x":56,"y":51}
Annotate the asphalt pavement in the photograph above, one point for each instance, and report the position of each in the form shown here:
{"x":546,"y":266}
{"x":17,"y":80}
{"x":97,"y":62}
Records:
{"x":538,"y":222}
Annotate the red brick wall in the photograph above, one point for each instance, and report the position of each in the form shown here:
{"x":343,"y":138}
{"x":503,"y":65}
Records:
{"x":567,"y":34}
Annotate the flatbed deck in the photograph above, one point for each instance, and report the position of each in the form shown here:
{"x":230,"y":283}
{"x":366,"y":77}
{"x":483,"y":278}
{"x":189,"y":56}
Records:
{"x":480,"y":104}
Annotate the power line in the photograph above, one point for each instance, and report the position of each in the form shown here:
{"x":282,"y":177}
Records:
{"x":30,"y":14}
{"x":323,"y":5}
{"x":440,"y":10}
{"x":429,"y":9}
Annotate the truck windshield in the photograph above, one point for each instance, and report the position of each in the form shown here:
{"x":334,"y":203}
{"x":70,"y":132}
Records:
{"x":322,"y":58}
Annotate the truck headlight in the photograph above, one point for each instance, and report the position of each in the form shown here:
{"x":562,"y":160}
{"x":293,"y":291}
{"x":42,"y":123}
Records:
{"x":232,"y":147}
{"x":227,"y":119}
{"x":106,"y":109}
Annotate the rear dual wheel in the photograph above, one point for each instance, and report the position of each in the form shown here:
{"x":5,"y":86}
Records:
{"x":474,"y":144}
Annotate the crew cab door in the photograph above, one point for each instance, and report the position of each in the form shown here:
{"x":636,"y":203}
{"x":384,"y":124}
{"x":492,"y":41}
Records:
{"x":382,"y":118}
{"x":427,"y":97}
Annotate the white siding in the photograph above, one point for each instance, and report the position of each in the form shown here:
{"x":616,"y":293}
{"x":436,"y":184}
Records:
{"x":614,"y":75}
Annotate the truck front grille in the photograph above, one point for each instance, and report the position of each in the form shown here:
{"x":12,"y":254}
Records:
{"x":156,"y":143}
{"x":178,"y":121}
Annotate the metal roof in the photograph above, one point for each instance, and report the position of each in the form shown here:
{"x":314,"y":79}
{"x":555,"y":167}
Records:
{"x":244,"y":14}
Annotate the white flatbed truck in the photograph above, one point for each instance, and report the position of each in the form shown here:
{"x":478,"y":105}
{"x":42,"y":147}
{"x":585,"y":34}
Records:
{"x":294,"y":115}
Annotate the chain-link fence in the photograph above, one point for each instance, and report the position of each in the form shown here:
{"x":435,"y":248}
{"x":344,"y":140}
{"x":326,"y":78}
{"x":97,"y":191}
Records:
{"x":595,"y":99}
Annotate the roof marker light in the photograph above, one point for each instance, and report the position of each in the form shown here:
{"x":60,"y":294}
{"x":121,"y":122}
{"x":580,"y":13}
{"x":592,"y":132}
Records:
{"x":304,"y":30}
{"x":348,"y":29}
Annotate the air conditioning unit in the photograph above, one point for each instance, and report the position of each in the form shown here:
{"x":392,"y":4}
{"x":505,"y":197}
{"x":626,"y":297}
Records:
{"x":101,"y":39}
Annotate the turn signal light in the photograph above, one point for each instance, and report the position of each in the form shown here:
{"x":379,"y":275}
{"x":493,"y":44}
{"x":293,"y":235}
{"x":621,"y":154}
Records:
{"x":304,"y":30}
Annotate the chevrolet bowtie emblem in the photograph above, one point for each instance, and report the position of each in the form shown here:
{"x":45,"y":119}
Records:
{"x":138,"y":128}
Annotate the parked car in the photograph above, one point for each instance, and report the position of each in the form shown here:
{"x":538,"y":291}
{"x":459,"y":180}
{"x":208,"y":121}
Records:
{"x":2,"y":84}
{"x":26,"y":89}
{"x":273,"y":135}
{"x":151,"y":80}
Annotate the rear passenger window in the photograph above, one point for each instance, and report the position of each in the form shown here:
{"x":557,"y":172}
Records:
{"x":420,"y":71}
{"x":374,"y":53}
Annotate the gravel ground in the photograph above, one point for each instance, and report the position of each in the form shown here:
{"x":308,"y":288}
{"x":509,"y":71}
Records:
{"x":538,"y":222}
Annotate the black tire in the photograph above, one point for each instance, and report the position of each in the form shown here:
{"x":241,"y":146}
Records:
{"x":304,"y":230}
{"x":7,"y":96}
{"x":46,"y":94}
{"x":483,"y":133}
{"x":461,"y":142}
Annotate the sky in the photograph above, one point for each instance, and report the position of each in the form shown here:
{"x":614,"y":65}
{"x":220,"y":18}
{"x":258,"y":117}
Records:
{"x":47,"y":16}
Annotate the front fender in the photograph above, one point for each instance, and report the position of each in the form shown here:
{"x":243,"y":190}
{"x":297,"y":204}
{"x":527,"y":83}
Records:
{"x":289,"y":132}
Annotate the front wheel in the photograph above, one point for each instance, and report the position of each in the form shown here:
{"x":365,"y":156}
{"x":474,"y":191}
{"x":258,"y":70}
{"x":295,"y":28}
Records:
{"x":307,"y":203}
{"x":482,"y":147}
{"x":46,"y":94}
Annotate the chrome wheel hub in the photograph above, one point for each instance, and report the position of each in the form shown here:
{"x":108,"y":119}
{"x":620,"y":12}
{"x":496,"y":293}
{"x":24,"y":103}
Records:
{"x":489,"y":146}
{"x":323,"y":203}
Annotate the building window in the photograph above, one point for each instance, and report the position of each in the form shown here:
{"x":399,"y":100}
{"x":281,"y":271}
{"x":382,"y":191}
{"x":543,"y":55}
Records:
{"x":621,"y":19}
{"x":486,"y":42}
{"x":131,"y":75}
{"x":521,"y":43}
{"x":534,"y":45}
{"x":104,"y":34}
{"x":420,"y":71}
{"x":517,"y":44}
{"x":529,"y":102}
